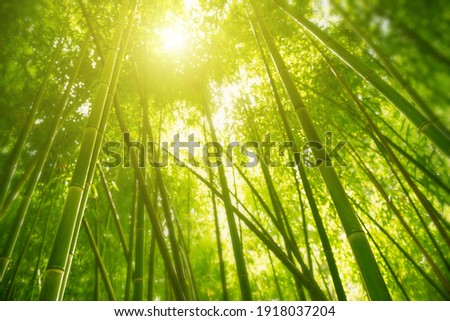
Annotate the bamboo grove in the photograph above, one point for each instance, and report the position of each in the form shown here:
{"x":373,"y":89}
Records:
{"x":224,"y":150}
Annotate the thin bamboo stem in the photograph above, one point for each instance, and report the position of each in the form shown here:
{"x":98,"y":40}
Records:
{"x":239,"y":258}
{"x":13,"y":159}
{"x":223,"y":276}
{"x":56,"y":268}
{"x":115,"y":212}
{"x":395,"y":73}
{"x":99,"y":261}
{"x":36,"y":174}
{"x":371,"y":275}
{"x":424,"y":125}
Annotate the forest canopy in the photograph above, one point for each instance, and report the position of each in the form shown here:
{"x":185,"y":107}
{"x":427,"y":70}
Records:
{"x":224,"y":150}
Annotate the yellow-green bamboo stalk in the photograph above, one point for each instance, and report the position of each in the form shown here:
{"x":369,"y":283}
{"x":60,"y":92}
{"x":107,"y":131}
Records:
{"x":54,"y":273}
{"x":24,"y":248}
{"x":309,"y":283}
{"x":13,"y":159}
{"x":154,"y":219}
{"x":304,"y":278}
{"x":176,"y":250}
{"x":37,"y":171}
{"x":151,"y":269}
{"x":424,"y":201}
{"x":99,"y":261}
{"x":139,"y":250}
{"x":280,"y":217}
{"x":445,"y":282}
{"x":370,"y":272}
{"x":99,"y":139}
{"x":424,"y":46}
{"x":114,"y":211}
{"x":395,"y":73}
{"x":223,"y":275}
{"x":386,"y":261}
{"x":131,"y":238}
{"x":422,"y":123}
{"x":444,"y":294}
{"x":246,"y":293}
{"x":306,"y":185}
{"x":15,"y":191}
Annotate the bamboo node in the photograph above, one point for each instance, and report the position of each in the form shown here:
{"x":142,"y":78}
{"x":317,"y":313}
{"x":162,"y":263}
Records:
{"x":351,"y":233}
{"x":77,"y":185}
{"x":425,"y":125}
{"x":93,"y":126}
{"x":369,"y":74}
{"x":55,"y":269}
{"x":300,"y":107}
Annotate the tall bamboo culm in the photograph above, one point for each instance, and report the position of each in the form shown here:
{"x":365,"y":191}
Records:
{"x":12,"y":162}
{"x":393,"y":71}
{"x":37,"y":171}
{"x":56,"y":267}
{"x":424,"y":125}
{"x":306,"y":185}
{"x":373,"y":280}
{"x":238,"y":252}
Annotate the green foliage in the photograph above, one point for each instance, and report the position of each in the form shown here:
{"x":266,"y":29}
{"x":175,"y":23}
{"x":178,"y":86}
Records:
{"x":195,"y":61}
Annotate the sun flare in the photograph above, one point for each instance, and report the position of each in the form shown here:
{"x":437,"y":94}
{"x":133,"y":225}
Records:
{"x":173,"y":39}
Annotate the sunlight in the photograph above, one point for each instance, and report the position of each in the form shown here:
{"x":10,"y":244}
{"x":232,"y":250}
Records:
{"x":323,"y":17}
{"x":181,"y":31}
{"x":173,"y":38}
{"x":190,"y":5}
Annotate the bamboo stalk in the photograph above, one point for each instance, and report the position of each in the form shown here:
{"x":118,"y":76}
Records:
{"x":373,"y":280}
{"x":13,"y":159}
{"x":99,"y":260}
{"x":223,"y":276}
{"x":139,"y":251}
{"x":304,"y":222}
{"x":306,"y":185}
{"x":185,"y":256}
{"x":176,"y":250}
{"x":120,"y":54}
{"x":280,"y":218}
{"x":151,"y":269}
{"x":423,"y":200}
{"x":445,"y":282}
{"x":56,"y":268}
{"x":238,"y":252}
{"x":424,"y":125}
{"x":15,"y":191}
{"x":275,"y":278}
{"x":421,"y":167}
{"x":444,"y":294}
{"x":422,"y":43}
{"x":265,"y":237}
{"x":37,"y":171}
{"x":395,"y":73}
{"x":115,"y":213}
{"x":359,"y":121}
{"x":24,"y":248}
{"x":39,"y":257}
{"x":131,"y":235}
{"x":154,"y":219}
{"x":389,"y":266}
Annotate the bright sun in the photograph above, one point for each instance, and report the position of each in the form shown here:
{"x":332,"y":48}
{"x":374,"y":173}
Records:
{"x":178,"y":32}
{"x":173,"y":39}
